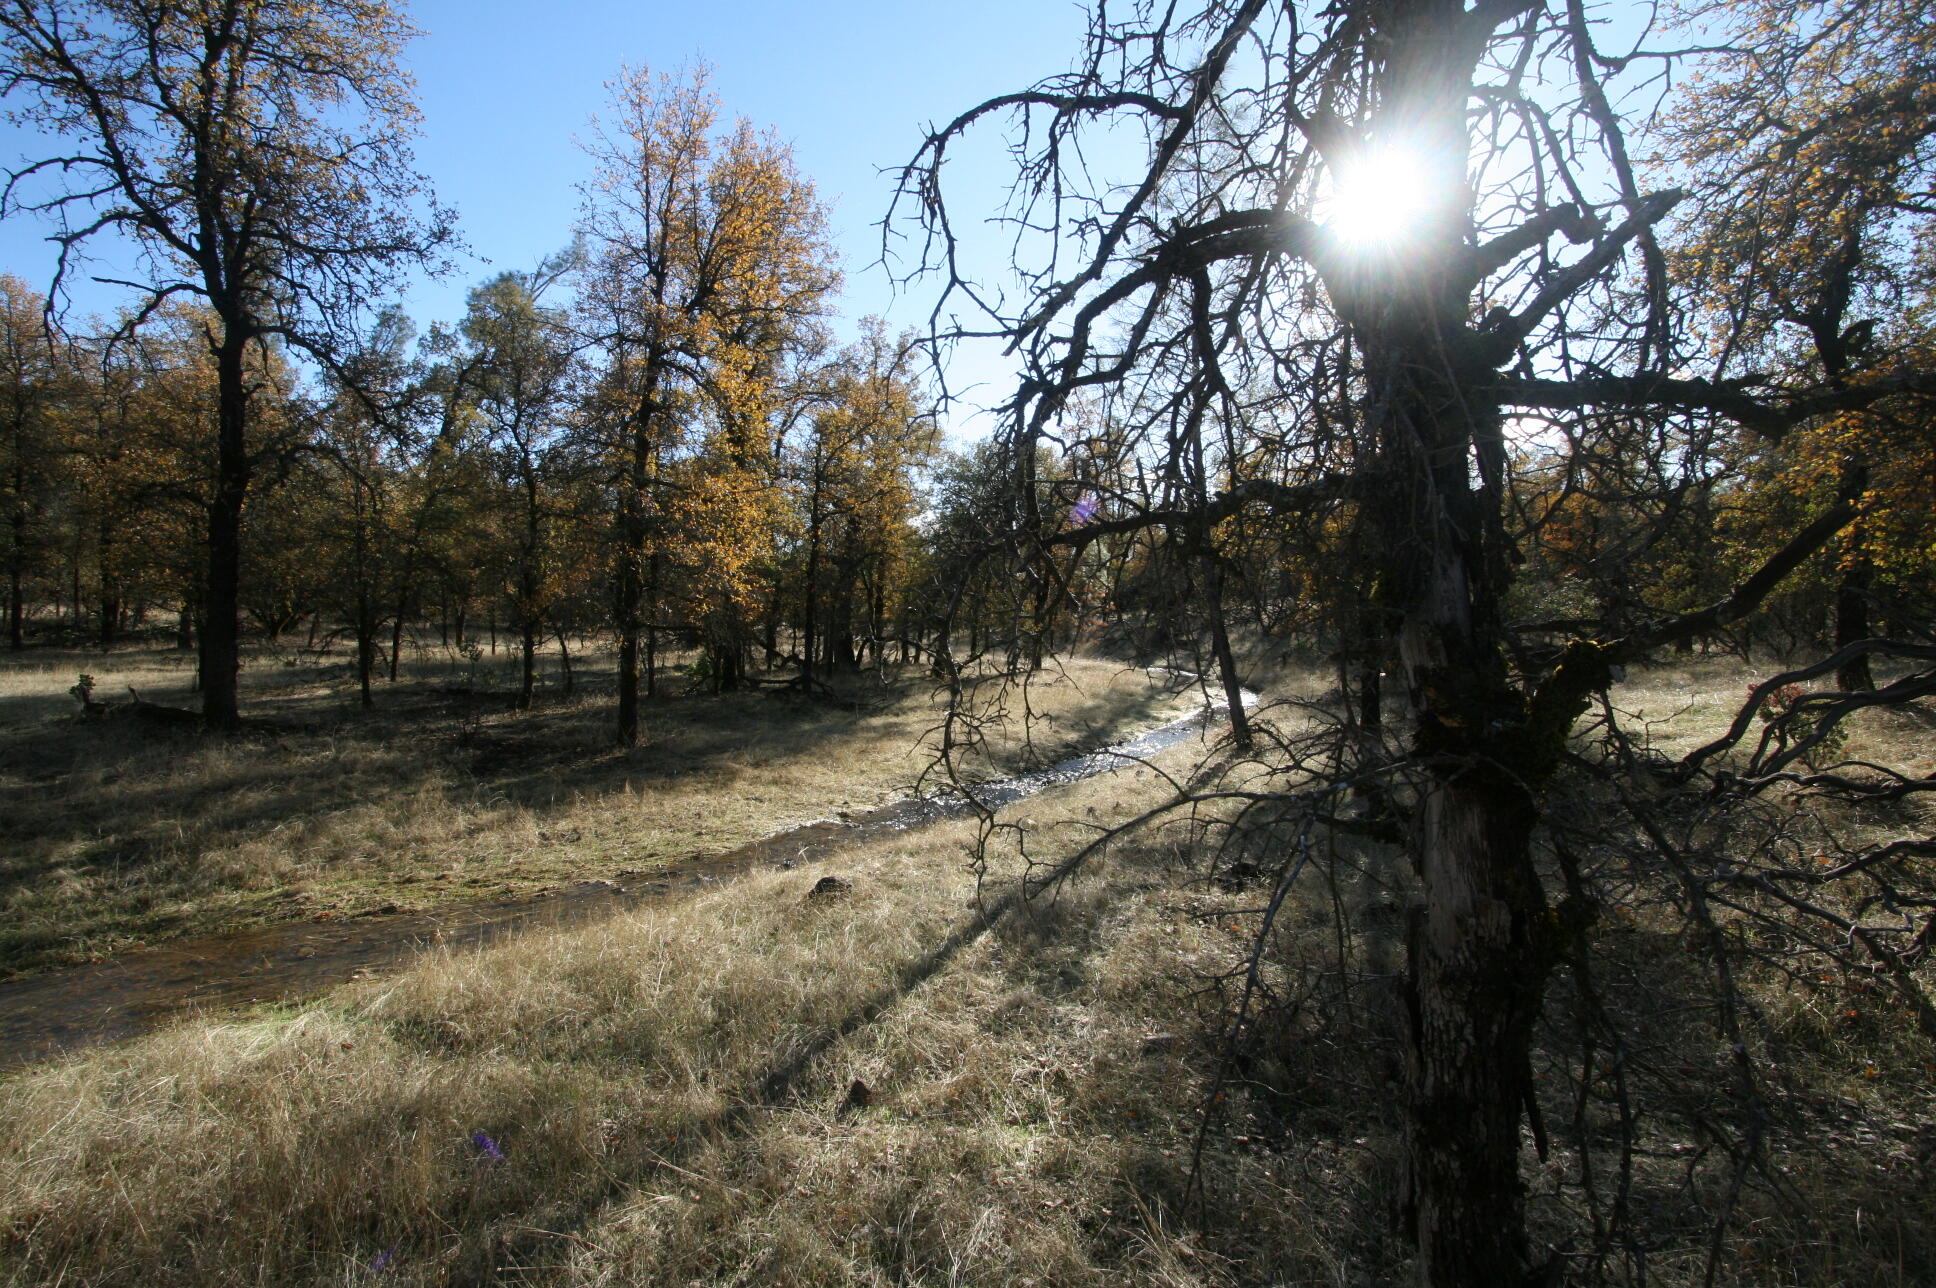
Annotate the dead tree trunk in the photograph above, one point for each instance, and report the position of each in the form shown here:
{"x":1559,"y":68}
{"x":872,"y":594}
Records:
{"x":1477,"y":966}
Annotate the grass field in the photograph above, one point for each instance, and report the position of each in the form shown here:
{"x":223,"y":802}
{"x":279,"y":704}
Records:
{"x":884,"y":1087}
{"x":114,"y":833}
{"x":573,"y":1092}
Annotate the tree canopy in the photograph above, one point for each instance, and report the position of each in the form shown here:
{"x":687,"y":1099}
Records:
{"x":256,"y":154}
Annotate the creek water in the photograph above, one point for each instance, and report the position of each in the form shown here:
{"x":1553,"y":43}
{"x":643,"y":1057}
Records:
{"x":43,"y":1015}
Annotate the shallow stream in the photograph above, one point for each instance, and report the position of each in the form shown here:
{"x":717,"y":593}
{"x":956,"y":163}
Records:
{"x":43,"y":1015}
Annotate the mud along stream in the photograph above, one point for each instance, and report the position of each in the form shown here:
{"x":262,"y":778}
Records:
{"x":43,"y":1015}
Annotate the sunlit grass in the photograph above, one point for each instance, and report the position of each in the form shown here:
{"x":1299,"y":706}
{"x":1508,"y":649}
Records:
{"x":587,"y":1107}
{"x":117,"y":834}
{"x":578,"y":1082}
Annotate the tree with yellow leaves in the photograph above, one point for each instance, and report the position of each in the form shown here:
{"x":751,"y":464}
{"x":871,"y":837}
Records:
{"x":853,"y":476}
{"x":1809,"y":145}
{"x":707,"y":260}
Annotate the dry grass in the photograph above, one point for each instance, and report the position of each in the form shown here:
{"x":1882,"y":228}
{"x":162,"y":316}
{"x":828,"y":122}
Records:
{"x":113,"y":834}
{"x":1836,"y":1084}
{"x":585,"y":1084}
{"x":596,"y":1107}
{"x":1679,"y":706}
{"x":1031,"y":1122}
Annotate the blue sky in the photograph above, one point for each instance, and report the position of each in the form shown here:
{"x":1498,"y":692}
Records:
{"x":507,"y":85}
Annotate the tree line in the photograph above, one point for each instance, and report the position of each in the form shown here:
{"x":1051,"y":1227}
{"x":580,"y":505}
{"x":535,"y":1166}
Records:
{"x":631,"y":437}
{"x":471,"y":483}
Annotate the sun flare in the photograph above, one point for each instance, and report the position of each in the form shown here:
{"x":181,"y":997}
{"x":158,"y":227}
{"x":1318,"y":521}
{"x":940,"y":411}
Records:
{"x":1380,"y":197}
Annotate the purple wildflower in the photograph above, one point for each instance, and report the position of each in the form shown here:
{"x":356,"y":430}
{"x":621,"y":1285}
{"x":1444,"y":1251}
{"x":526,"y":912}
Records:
{"x":487,"y":1148}
{"x":1085,"y":510}
{"x":383,"y":1262}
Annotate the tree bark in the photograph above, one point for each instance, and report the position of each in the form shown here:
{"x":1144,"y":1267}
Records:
{"x":1477,"y":962}
{"x":638,"y":580}
{"x":365,"y":647}
{"x":1475,"y":989}
{"x":626,"y":611}
{"x":652,"y":625}
{"x":726,"y":667}
{"x":528,"y":578}
{"x":528,"y":657}
{"x":1852,"y":589}
{"x":396,"y":637}
{"x":1041,"y":628}
{"x":940,"y":649}
{"x":630,"y":589}
{"x":1477,"y":972}
{"x":877,"y":618}
{"x":16,"y":611}
{"x":809,"y":621}
{"x":365,"y":623}
{"x":564,"y":661}
{"x":1477,"y":965}
{"x":16,"y":569}
{"x":1852,"y":619}
{"x":221,"y":655}
{"x":839,"y":629}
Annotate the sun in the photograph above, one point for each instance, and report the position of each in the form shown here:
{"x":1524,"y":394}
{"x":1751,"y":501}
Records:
{"x":1380,"y":197}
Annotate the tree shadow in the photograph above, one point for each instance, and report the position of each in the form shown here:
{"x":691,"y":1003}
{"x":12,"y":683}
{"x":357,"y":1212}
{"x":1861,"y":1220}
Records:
{"x":119,"y":831}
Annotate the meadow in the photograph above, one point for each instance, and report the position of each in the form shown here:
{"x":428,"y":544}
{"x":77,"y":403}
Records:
{"x":122,"y":832}
{"x":922,"y":1078}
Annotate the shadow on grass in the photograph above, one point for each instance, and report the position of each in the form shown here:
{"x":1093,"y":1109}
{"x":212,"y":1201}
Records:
{"x":42,"y":1015}
{"x":115,"y":833}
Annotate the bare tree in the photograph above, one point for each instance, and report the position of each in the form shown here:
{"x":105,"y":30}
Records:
{"x":1250,"y":273}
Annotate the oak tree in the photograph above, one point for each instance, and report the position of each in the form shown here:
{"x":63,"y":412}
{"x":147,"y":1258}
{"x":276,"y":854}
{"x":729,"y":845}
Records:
{"x":707,"y":257}
{"x":31,"y":380}
{"x":521,"y":380}
{"x":254,"y":153}
{"x":853,"y":473}
{"x":1808,"y":144}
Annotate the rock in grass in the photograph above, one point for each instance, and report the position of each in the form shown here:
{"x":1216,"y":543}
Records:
{"x":828,"y":888}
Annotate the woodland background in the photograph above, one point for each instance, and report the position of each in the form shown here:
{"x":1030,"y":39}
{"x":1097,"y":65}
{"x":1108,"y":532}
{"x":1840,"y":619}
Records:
{"x":1562,"y":912}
